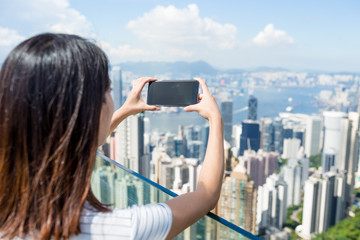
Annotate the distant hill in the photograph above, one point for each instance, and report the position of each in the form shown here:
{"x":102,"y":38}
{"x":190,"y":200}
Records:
{"x":189,"y":68}
{"x":153,"y":68}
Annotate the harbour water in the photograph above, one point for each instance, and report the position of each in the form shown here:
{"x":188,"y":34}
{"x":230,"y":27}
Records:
{"x":271,"y":101}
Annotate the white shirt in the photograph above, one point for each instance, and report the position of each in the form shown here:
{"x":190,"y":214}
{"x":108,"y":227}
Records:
{"x":152,"y":221}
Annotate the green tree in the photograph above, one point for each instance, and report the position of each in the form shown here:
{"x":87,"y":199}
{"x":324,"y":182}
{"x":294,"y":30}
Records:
{"x":348,"y":228}
{"x":315,"y":161}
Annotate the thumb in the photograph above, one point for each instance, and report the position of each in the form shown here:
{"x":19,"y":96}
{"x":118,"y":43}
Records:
{"x":152,"y":108}
{"x":191,"y":108}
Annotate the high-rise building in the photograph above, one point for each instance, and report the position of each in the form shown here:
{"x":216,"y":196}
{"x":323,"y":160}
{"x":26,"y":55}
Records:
{"x":117,"y":89}
{"x":271,"y":204}
{"x":353,"y":157}
{"x":260,"y":165}
{"x":313,"y":133}
{"x":288,"y":132}
{"x":309,"y":219}
{"x":341,"y":147}
{"x":179,"y":147}
{"x":227,"y":115}
{"x":170,"y":144}
{"x":104,"y":184}
{"x":328,"y":159}
{"x":195,"y":149}
{"x":332,"y":138}
{"x":278,"y":135}
{"x":204,"y":137}
{"x":236,"y":136}
{"x":299,"y":133}
{"x":250,"y":136}
{"x":179,"y":174}
{"x":252,"y":108}
{"x":267,"y":135}
{"x":291,"y":148}
{"x":162,"y":171}
{"x":295,"y":173}
{"x":185,"y":174}
{"x":129,"y":144}
{"x":324,"y":203}
{"x":237,"y":202}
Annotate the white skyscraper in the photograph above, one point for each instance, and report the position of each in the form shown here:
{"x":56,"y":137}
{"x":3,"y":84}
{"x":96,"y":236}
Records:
{"x":324,"y":203}
{"x":117,"y":88}
{"x":311,"y":193}
{"x":342,"y":152}
{"x":129,"y":144}
{"x":295,"y":173}
{"x":291,"y":147}
{"x":272,"y":203}
{"x":353,"y":156}
{"x":332,"y":138}
{"x":313,"y":132}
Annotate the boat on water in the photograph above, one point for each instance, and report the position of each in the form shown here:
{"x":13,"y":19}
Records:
{"x":289,"y":109}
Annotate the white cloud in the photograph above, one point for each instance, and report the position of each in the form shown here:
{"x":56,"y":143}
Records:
{"x":174,"y":27}
{"x":271,"y":37}
{"x":72,"y":22}
{"x":122,"y":52}
{"x":9,"y":37}
{"x":51,"y":16}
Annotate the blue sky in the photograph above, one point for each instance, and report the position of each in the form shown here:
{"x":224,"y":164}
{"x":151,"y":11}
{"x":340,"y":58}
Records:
{"x":299,"y":35}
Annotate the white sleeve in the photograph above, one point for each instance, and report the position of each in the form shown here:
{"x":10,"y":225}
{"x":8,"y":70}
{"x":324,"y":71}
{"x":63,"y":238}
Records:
{"x":152,"y":221}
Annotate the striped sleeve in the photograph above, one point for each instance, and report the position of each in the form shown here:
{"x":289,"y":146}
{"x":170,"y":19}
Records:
{"x":152,"y":221}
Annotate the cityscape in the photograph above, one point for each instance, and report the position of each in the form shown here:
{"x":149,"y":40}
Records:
{"x":286,"y":78}
{"x":291,"y":176}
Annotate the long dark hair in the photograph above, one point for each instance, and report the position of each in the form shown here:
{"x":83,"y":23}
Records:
{"x":52,"y":87}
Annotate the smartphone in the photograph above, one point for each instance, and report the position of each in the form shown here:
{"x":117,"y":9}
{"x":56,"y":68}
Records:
{"x":173,"y":93}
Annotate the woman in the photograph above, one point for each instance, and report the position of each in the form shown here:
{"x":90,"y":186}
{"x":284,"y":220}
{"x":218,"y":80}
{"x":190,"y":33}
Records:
{"x":55,"y":110}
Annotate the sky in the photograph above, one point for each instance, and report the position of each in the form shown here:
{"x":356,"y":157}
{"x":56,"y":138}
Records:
{"x":235,"y":34}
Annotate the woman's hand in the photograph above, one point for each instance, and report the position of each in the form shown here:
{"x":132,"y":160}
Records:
{"x":134,"y":103}
{"x":206,"y":106}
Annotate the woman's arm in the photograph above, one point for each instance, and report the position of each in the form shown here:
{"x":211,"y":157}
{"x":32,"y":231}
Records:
{"x":134,"y":103}
{"x":190,"y":207}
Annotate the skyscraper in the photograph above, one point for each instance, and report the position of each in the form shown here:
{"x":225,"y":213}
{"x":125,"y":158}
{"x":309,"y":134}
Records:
{"x":323,"y":202}
{"x":311,"y":191}
{"x":291,"y":147}
{"x":117,"y":89}
{"x":250,"y":136}
{"x":260,"y":165}
{"x":271,"y":204}
{"x":354,"y":155}
{"x":313,"y":132}
{"x":129,"y":145}
{"x":278,"y":135}
{"x":227,"y":114}
{"x":237,"y":202}
{"x":267,"y":135}
{"x":252,"y":108}
{"x":295,"y":173}
{"x":288,"y":132}
{"x":332,"y":138}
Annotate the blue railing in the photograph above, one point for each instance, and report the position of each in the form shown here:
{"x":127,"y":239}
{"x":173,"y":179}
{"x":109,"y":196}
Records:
{"x":110,"y":175}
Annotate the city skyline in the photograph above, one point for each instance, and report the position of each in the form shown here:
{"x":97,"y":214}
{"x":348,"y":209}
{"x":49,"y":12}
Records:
{"x":291,"y":173}
{"x":240,"y":34}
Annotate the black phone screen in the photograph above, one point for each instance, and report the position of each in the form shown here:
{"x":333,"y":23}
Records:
{"x":173,"y":93}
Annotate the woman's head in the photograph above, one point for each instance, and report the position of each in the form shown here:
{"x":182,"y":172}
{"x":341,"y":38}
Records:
{"x":52,"y":91}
